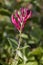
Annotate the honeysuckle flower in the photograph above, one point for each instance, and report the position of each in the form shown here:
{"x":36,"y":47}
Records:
{"x":20,"y":17}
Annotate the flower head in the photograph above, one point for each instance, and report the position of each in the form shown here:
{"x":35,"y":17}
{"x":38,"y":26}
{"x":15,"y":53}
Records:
{"x":20,"y":17}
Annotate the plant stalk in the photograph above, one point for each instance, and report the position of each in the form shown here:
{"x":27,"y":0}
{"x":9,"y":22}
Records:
{"x":16,"y":57}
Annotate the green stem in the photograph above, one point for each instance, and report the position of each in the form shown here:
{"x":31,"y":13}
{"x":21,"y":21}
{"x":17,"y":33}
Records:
{"x":19,"y":40}
{"x":16,"y":57}
{"x":20,"y":36}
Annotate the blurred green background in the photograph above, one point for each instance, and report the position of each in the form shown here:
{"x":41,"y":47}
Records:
{"x":32,"y":38}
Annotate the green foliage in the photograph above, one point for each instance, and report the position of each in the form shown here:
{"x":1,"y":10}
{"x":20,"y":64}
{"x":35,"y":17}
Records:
{"x":30,"y":63}
{"x":31,"y":48}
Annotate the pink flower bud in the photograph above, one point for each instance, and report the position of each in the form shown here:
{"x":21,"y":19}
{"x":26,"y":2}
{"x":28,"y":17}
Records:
{"x":21,"y":16}
{"x":15,"y":22}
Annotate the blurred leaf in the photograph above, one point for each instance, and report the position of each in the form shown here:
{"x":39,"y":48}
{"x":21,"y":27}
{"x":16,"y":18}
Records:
{"x":41,"y":60}
{"x":27,"y":0}
{"x":13,"y":43}
{"x":25,"y":59}
{"x":19,"y":54}
{"x":23,"y":47}
{"x":24,"y":36}
{"x":3,"y":63}
{"x":30,"y":63}
{"x":31,"y":42}
{"x":31,"y":58}
{"x":5,"y":12}
{"x":38,"y":51}
{"x":13,"y":40}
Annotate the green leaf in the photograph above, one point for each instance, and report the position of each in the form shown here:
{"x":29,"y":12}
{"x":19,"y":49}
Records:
{"x":41,"y":60}
{"x":5,"y":12}
{"x":31,"y":58}
{"x":9,"y":42}
{"x":24,"y":36}
{"x":21,"y":48}
{"x":21,"y":55}
{"x":25,"y":59}
{"x":12,"y":43}
{"x":13,"y":40}
{"x":38,"y":51}
{"x":31,"y":42}
{"x":30,"y":63}
{"x":3,"y":63}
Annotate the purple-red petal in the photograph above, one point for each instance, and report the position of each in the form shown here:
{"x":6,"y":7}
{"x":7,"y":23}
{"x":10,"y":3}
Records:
{"x":21,"y":17}
{"x":15,"y":22}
